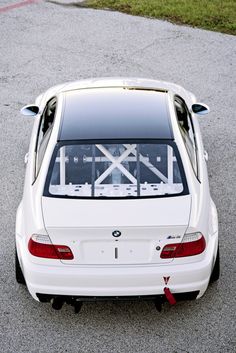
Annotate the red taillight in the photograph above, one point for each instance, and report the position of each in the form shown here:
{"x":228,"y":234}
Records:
{"x":41,"y":246}
{"x":169,"y":251}
{"x":64,"y":252}
{"x":192,"y":244}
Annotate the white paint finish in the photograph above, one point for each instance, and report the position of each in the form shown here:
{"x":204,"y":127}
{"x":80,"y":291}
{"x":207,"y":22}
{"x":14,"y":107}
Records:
{"x":99,"y":213}
{"x":136,"y":245}
{"x":119,"y":280}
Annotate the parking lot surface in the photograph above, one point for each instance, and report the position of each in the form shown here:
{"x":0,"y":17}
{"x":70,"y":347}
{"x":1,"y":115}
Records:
{"x":42,"y":44}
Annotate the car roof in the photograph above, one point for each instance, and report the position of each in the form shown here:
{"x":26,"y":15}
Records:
{"x":115,"y":113}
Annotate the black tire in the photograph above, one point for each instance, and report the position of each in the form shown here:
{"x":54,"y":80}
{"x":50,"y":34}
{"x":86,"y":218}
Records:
{"x":215,"y":275}
{"x":19,"y":274}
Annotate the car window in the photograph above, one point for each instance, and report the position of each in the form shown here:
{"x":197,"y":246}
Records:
{"x":187,"y":131}
{"x":116,"y":170}
{"x":44,"y":132}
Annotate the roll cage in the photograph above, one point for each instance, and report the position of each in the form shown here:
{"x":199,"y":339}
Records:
{"x":115,"y":169}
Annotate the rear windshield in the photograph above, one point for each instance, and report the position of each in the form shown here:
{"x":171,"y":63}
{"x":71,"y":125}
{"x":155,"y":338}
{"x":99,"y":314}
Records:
{"x":115,"y":170}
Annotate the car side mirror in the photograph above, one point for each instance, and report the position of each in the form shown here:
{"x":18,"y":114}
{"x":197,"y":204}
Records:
{"x":30,"y":110}
{"x":200,"y":109}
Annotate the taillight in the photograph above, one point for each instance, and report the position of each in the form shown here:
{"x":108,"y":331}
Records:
{"x":192,"y":244}
{"x":41,"y":246}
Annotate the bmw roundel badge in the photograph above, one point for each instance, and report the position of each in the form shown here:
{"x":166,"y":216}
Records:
{"x":116,"y":233}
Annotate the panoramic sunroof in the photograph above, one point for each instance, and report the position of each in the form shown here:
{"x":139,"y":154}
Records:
{"x":115,"y":113}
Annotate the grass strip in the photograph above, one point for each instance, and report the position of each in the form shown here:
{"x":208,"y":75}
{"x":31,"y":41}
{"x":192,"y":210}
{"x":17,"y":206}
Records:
{"x":214,"y":15}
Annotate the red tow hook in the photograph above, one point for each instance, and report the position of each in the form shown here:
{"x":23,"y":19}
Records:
{"x":169,"y":296}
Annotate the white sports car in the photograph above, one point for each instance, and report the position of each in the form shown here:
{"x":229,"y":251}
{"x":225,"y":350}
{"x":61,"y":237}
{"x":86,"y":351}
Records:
{"x":116,"y":201}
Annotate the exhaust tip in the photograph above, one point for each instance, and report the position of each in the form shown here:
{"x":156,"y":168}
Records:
{"x":57,"y":303}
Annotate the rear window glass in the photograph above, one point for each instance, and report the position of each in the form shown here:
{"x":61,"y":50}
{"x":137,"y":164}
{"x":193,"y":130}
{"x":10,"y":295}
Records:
{"x":115,"y":170}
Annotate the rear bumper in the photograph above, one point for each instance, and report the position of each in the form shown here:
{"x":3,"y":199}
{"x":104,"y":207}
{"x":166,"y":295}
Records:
{"x":113,"y":282}
{"x":124,"y":281}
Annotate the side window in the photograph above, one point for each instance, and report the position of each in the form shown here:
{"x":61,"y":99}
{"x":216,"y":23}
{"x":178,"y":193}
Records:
{"x":44,"y":132}
{"x":187,"y":131}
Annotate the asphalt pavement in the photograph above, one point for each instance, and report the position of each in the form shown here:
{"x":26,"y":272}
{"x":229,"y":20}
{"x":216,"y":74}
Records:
{"x":43,"y":44}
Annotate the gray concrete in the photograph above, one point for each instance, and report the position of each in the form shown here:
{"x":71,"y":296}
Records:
{"x":45,"y":44}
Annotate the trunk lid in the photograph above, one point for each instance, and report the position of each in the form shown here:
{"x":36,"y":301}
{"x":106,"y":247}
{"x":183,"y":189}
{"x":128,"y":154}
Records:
{"x":88,"y":226}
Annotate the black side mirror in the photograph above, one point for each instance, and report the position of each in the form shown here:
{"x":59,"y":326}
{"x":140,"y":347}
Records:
{"x":30,"y":110}
{"x":200,"y":109}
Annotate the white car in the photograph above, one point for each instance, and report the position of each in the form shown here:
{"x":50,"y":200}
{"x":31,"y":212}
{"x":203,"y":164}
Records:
{"x":116,"y":201}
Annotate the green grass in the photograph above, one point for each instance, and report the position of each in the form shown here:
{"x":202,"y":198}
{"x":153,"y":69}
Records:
{"x":215,"y":15}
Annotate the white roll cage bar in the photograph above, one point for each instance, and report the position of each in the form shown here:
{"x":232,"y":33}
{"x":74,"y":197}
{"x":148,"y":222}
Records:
{"x":116,"y":162}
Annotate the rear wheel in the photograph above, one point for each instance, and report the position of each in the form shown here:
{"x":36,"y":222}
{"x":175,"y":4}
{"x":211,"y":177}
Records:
{"x":19,"y":274}
{"x":215,"y":275}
